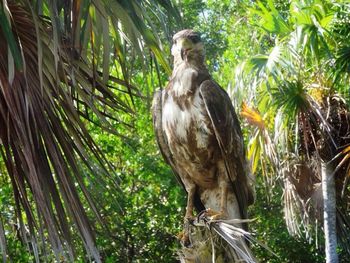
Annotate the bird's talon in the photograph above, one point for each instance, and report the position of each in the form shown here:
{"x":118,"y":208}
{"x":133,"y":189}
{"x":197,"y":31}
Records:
{"x":184,"y":238}
{"x":189,"y":220}
{"x":186,"y":241}
{"x":180,"y":235}
{"x":215,"y":215}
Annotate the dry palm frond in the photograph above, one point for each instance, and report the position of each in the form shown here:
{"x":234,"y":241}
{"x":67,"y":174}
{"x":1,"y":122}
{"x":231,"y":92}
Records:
{"x":301,"y":196}
{"x":39,"y":151}
{"x":252,"y":116}
{"x":345,"y":157}
{"x":47,"y":89}
{"x":219,"y":241}
{"x":261,"y":149}
{"x":329,"y":141}
{"x":303,"y":201}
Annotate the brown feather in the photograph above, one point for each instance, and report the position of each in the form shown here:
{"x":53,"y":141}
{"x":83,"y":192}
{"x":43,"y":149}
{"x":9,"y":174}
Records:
{"x":229,"y":136}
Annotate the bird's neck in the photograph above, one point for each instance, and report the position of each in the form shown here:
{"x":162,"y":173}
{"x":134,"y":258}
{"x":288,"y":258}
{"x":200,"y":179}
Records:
{"x":194,"y":62}
{"x":187,"y":77}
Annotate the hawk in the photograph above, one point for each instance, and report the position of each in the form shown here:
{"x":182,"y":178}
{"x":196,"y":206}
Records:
{"x":199,"y":135}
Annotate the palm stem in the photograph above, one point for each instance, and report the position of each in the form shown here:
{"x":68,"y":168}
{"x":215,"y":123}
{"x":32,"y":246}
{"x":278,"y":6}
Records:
{"x":329,"y":204}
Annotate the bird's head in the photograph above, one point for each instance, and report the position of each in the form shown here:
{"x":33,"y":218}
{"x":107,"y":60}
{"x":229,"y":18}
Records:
{"x":187,"y":46}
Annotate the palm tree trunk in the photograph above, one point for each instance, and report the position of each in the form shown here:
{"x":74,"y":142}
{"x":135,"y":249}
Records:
{"x":329,"y":212}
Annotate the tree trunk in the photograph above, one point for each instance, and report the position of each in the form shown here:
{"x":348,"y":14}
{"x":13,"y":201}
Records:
{"x":329,"y":212}
{"x":218,"y":242}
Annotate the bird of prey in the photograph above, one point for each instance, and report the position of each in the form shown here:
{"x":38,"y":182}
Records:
{"x":199,"y":135}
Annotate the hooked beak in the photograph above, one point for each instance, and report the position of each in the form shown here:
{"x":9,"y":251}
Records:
{"x":182,"y":53}
{"x":186,"y":45}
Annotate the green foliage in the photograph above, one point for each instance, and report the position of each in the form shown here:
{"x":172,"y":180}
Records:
{"x":150,"y":215}
{"x":270,"y":228}
{"x":212,"y":19}
{"x":153,"y":215}
{"x":289,"y":83}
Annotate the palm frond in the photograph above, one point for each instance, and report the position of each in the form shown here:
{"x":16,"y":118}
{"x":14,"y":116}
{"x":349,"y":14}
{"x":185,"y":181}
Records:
{"x":341,"y":64}
{"x":302,"y":197}
{"x":261,"y":149}
{"x":252,"y":116}
{"x":302,"y":186}
{"x":15,"y":53}
{"x":312,"y":20}
{"x":271,"y":20}
{"x":219,"y":241}
{"x":47,"y":89}
{"x":292,"y":88}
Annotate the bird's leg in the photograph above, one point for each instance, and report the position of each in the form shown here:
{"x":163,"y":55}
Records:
{"x":223,"y":183}
{"x":223,"y":202}
{"x":191,"y":190}
{"x":222,"y":214}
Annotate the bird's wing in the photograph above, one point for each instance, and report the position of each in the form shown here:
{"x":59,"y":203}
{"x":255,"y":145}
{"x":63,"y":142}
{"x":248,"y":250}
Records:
{"x":229,"y":136}
{"x":157,"y":106}
{"x":160,"y":137}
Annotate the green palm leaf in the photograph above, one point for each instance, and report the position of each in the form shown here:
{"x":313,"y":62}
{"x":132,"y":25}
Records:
{"x":271,"y":20}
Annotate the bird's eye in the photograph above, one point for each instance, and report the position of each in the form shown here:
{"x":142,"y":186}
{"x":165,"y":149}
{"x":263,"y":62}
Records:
{"x":195,"y":39}
{"x":174,"y":41}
